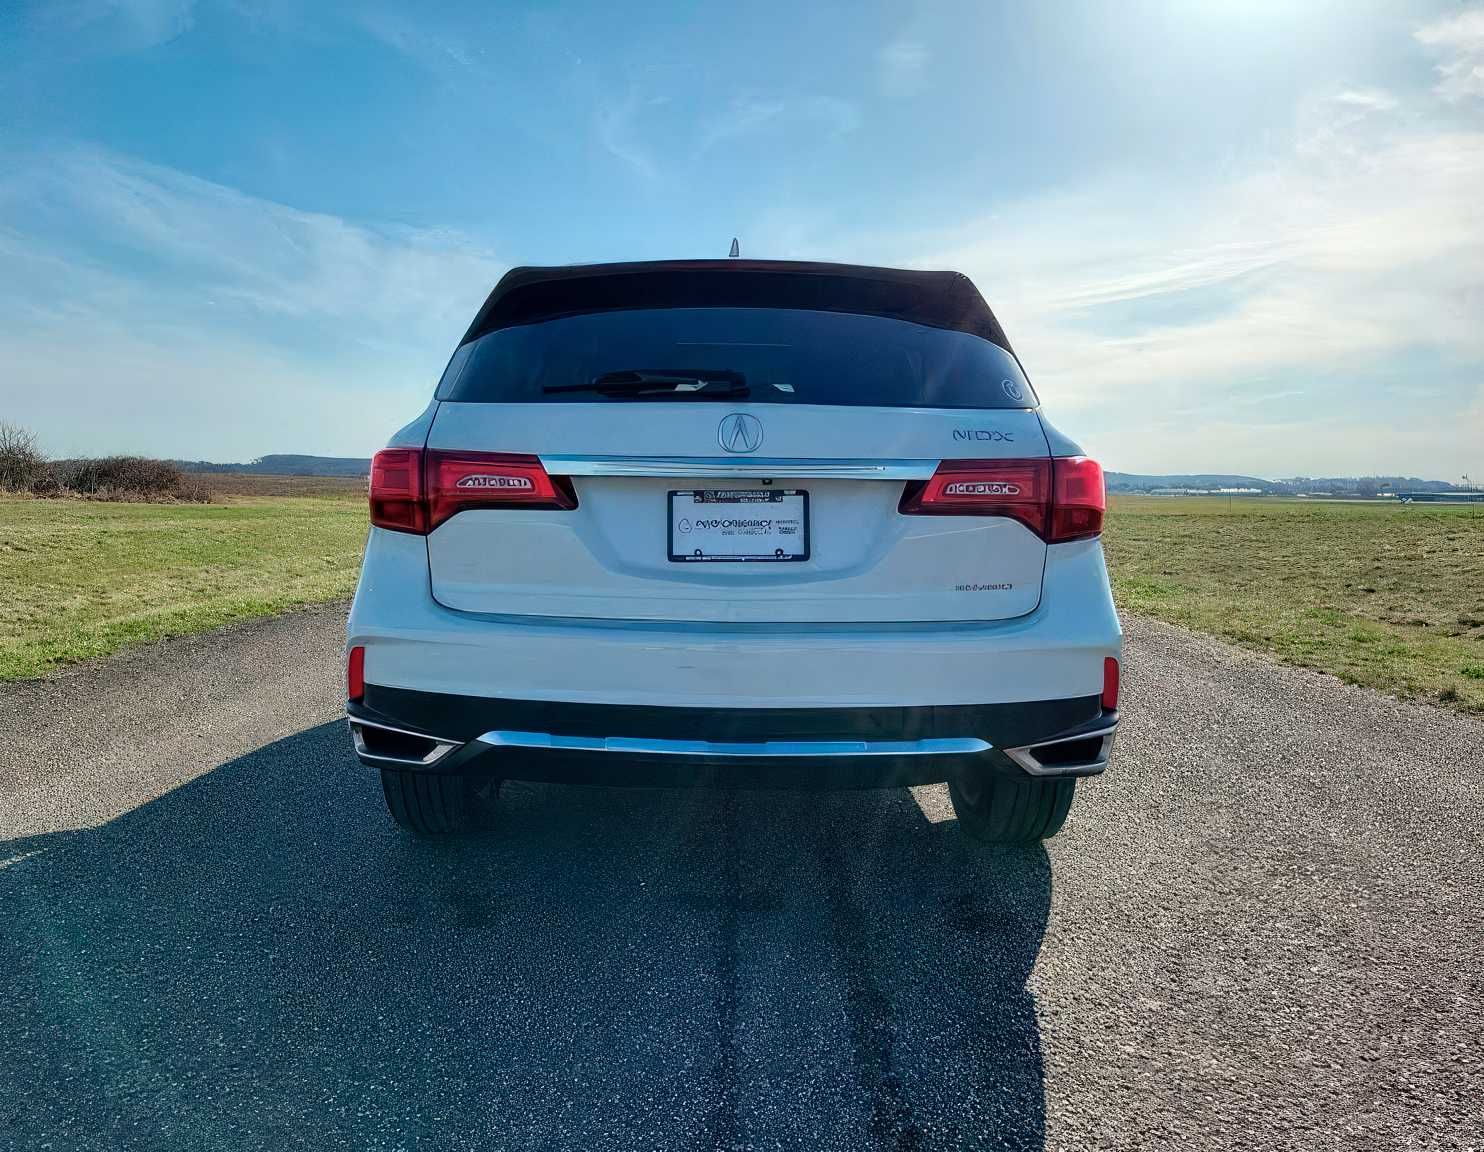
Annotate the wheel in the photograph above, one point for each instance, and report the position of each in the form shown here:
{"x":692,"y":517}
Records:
{"x":433,"y":804}
{"x":1004,"y":810}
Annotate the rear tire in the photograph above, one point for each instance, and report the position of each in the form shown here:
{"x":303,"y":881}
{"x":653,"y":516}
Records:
{"x":436,"y":804}
{"x":1004,"y":810}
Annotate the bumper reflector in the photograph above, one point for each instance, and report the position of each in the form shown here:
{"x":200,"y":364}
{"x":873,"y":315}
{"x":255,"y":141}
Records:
{"x":1110,"y":684}
{"x":355,"y":673}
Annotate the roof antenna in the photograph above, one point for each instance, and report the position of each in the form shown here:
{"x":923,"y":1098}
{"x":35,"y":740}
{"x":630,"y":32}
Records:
{"x":736,"y":250}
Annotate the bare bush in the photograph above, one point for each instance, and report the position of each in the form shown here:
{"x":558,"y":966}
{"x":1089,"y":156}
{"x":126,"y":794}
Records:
{"x":193,"y":490}
{"x":119,"y":473}
{"x":129,"y":478}
{"x":22,"y":466}
{"x":46,"y":483}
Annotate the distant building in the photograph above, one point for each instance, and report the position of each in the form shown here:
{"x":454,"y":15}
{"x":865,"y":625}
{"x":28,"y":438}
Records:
{"x":1441,"y":497}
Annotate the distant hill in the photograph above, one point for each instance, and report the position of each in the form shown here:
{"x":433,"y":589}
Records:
{"x":1340,"y":485}
{"x":287,"y":465}
{"x":290,"y":465}
{"x":1291,"y":486}
{"x":1135,"y":482}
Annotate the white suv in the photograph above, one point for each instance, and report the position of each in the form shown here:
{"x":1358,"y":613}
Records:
{"x":734,"y":522}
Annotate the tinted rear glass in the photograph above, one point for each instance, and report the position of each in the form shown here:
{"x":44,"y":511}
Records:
{"x":787,"y":357}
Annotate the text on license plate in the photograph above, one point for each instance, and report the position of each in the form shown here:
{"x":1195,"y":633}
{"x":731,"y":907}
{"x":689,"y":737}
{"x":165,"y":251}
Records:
{"x":747,"y":524}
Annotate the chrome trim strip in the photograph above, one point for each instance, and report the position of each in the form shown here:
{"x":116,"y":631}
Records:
{"x":1025,"y":756}
{"x":802,"y":749}
{"x":684,"y":466}
{"x":440,"y":749}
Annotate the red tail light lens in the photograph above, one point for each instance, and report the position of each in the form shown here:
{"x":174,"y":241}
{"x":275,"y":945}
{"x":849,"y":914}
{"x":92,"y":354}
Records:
{"x":397,"y":490}
{"x":1020,"y":489}
{"x":413,"y":490}
{"x":1110,"y":684}
{"x":355,"y":673}
{"x":1077,"y":500}
{"x":460,"y":480}
{"x":1058,"y":500}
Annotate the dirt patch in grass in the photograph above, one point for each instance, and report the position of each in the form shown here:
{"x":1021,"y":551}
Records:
{"x":229,"y":484}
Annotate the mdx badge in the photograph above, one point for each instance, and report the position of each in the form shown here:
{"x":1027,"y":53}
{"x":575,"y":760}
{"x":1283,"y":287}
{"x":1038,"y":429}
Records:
{"x":993,"y":434}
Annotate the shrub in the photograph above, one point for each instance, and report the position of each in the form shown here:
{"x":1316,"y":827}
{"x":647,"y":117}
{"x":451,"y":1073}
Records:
{"x":128,"y":478}
{"x":22,"y":465}
{"x":45,"y":483}
{"x":119,"y":474}
{"x":193,"y":490}
{"x":24,"y":469}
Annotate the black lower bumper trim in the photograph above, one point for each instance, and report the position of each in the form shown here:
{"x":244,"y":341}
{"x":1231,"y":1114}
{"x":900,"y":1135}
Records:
{"x":464,"y":718}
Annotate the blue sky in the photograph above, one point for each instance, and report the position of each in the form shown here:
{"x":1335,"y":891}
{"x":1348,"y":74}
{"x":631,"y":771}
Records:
{"x":1224,"y":236}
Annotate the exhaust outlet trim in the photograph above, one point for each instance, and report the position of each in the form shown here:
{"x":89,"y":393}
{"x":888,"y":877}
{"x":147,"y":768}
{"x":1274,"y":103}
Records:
{"x":1026,"y":755}
{"x":439,"y":747}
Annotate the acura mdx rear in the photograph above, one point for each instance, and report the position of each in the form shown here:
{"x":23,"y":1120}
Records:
{"x":735,"y":523}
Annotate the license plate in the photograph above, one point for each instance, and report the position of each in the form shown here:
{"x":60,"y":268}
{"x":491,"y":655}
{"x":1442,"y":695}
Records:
{"x":745,"y":525}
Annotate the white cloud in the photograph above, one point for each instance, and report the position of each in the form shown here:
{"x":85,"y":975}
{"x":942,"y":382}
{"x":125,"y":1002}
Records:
{"x":1459,"y":40}
{"x":1131,"y":301}
{"x":838,"y":117}
{"x":406,"y":284}
{"x":1322,"y":264}
{"x":1369,"y":99}
{"x":138,"y":289}
{"x":742,"y":116}
{"x":902,"y":65}
{"x":747,"y":115}
{"x":417,"y":39}
{"x":617,"y":129}
{"x":116,"y":25}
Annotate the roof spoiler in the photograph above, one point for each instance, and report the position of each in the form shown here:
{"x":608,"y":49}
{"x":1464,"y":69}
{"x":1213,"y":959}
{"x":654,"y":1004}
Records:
{"x":531,"y":295}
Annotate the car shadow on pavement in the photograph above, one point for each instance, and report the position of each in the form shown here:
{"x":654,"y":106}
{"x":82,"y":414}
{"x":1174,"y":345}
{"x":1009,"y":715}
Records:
{"x":259,"y":958}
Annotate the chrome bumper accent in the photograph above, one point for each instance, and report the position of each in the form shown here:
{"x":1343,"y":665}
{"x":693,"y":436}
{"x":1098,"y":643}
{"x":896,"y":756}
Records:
{"x":703,"y":466}
{"x":801,"y":749}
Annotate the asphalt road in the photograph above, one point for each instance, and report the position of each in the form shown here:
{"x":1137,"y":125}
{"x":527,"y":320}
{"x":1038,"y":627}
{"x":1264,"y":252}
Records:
{"x":1262,"y":929}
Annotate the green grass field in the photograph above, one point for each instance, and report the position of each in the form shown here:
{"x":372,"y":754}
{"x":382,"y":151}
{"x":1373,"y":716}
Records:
{"x":83,"y":579}
{"x":1380,"y":594}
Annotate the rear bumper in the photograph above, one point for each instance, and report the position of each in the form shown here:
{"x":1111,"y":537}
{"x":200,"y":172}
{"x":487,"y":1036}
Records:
{"x":1054,"y":652}
{"x":740,"y":747}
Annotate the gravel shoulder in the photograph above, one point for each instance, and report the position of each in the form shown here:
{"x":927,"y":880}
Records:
{"x":1260,"y":929}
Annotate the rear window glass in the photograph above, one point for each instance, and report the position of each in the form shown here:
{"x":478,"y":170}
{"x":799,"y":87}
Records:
{"x":786,"y":356}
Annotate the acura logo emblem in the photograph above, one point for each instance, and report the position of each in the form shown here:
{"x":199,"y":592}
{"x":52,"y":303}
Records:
{"x":740,"y":432}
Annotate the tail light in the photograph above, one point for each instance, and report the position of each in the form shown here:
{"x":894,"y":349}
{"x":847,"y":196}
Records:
{"x":355,"y":673}
{"x":1020,"y":489}
{"x":397,"y":490}
{"x":460,"y":480}
{"x":1110,"y":684}
{"x":1059,"y":499}
{"x":413,"y":490}
{"x":1077,"y":499}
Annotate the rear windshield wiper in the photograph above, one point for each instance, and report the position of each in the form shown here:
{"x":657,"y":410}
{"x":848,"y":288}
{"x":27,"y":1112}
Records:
{"x":670,"y":383}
